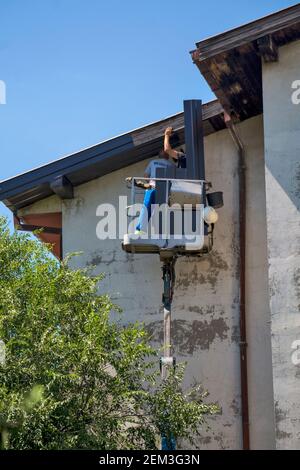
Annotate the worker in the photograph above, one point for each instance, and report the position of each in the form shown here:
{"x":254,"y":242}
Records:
{"x":178,"y":157}
{"x":167,"y":158}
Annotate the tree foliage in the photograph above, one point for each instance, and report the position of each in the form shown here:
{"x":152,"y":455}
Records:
{"x":72,"y":377}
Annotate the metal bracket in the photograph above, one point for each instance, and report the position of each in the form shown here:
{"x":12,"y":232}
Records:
{"x":62,"y":187}
{"x":167,"y":361}
{"x":168,"y":277}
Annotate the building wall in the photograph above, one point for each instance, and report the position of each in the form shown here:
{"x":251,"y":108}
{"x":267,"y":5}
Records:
{"x":260,"y":376}
{"x":205,"y":327}
{"x":282,"y":150}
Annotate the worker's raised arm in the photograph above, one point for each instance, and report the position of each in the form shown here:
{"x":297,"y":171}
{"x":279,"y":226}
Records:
{"x":167,"y":147}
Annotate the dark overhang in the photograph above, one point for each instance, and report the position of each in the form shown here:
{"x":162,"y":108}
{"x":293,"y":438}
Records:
{"x":60,"y":176}
{"x":231,"y":62}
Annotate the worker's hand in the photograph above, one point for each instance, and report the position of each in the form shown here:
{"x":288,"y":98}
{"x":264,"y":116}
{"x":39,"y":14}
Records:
{"x":169,"y":131}
{"x":128,"y":179}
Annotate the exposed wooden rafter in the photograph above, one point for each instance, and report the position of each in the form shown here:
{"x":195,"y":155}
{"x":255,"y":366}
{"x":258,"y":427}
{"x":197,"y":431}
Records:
{"x":268,"y":48}
{"x":274,"y":23}
{"x":231,"y":62}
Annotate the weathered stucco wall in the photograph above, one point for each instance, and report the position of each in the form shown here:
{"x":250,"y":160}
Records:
{"x":205,"y":326}
{"x":206,"y":302}
{"x":50,"y":204}
{"x":260,"y":377}
{"x":282,"y":150}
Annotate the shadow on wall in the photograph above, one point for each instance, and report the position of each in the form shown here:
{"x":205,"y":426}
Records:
{"x":287,"y":175}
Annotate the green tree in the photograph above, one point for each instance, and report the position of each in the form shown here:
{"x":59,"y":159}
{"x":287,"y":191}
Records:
{"x":72,"y":377}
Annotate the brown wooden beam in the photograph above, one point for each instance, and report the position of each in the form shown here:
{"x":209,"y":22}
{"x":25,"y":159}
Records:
{"x":47,"y":227}
{"x":267,"y":48}
{"x":32,"y":228}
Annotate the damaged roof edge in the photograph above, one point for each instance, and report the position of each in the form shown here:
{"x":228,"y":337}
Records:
{"x":100,"y":159}
{"x":232,"y":62}
{"x":248,"y":32}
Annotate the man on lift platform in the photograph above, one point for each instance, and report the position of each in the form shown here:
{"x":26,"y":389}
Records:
{"x":179,"y":159}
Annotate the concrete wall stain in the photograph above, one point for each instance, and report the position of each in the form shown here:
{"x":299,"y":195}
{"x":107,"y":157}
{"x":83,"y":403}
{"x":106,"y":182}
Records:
{"x":235,"y":334}
{"x":282,"y":434}
{"x":101,"y":257}
{"x":235,"y":406}
{"x":280,"y":415}
{"x":205,"y":271}
{"x":73,"y":206}
{"x":190,"y":336}
{"x":95,"y":260}
{"x":205,"y":310}
{"x":205,"y":440}
{"x":130,"y":262}
{"x":219,"y":438}
{"x":297,"y":182}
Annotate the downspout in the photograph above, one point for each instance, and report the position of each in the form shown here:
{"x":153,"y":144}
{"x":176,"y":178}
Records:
{"x":242,"y":288}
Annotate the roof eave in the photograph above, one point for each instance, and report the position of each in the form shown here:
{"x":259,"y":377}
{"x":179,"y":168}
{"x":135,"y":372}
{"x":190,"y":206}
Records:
{"x":231,"y":62}
{"x":103,"y":158}
{"x":246,"y":33}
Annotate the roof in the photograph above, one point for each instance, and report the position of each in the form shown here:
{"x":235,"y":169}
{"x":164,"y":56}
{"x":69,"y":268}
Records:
{"x":100,"y":159}
{"x":231,"y":62}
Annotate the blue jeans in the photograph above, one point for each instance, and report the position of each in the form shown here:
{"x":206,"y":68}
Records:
{"x":146,"y":211}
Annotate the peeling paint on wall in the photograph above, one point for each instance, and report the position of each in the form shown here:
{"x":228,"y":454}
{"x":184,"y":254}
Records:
{"x":206,"y":299}
{"x":235,"y":406}
{"x":281,"y":126}
{"x":206,"y":272}
{"x":188,"y":337}
{"x":235,"y":334}
{"x":102,"y":257}
{"x":73,"y":207}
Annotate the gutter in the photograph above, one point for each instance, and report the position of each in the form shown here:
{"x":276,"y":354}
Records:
{"x":242,"y":288}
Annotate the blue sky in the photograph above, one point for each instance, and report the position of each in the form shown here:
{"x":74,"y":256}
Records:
{"x":78,"y":72}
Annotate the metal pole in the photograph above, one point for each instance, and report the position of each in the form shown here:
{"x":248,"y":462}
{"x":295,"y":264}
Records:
{"x":167,"y":360}
{"x":194,"y":141}
{"x":167,"y":301}
{"x":167,"y":335}
{"x":242,"y":267}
